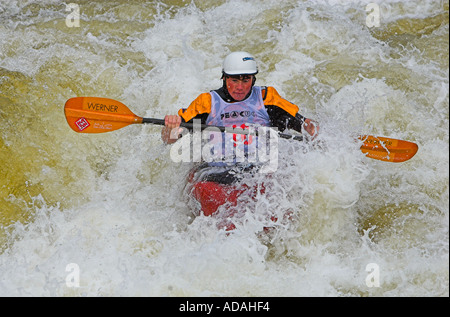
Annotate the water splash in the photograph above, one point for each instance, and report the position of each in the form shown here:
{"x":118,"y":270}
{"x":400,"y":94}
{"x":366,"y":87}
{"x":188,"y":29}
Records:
{"x":114,"y":205}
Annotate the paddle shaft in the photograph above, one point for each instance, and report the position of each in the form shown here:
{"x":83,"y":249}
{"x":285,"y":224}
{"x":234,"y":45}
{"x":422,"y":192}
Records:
{"x":192,"y":125}
{"x":99,"y":115}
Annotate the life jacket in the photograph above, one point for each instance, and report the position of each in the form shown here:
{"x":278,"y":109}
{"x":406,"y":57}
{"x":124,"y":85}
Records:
{"x":226,"y":148}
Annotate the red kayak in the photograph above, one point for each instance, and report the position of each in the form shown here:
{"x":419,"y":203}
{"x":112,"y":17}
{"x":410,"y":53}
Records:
{"x":222,"y":193}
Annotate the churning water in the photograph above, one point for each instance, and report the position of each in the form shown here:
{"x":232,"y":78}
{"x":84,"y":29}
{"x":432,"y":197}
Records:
{"x":107,"y":214}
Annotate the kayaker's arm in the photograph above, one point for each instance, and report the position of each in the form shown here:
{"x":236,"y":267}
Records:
{"x":171,"y":130}
{"x":282,"y":120}
{"x":198,"y":109}
{"x":312,"y":127}
{"x":284,"y":114}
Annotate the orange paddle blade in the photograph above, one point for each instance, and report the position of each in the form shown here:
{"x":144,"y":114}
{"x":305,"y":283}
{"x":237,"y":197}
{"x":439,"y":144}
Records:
{"x":387,"y":149}
{"x":97,"y":115}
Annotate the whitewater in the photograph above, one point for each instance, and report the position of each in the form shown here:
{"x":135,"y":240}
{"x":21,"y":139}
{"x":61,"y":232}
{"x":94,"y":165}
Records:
{"x":109,"y":214}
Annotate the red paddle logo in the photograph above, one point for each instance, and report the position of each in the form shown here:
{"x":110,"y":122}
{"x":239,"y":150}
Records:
{"x":82,"y":124}
{"x":247,"y":139}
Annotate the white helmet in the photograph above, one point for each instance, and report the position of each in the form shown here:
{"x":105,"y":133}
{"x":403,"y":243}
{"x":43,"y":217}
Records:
{"x":240,"y":63}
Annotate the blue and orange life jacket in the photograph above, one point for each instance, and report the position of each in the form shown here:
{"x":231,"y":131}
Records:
{"x":262,"y":107}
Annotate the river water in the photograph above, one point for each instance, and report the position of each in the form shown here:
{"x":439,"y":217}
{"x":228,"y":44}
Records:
{"x":107,"y":214}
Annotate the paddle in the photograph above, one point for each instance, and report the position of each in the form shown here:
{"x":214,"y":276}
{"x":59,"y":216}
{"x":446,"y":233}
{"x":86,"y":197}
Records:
{"x":98,"y":115}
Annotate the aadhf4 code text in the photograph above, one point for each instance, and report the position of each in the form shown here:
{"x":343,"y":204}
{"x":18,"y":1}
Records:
{"x":232,"y":306}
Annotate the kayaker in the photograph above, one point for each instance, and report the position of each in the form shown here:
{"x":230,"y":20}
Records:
{"x":257,"y":105}
{"x":238,"y":103}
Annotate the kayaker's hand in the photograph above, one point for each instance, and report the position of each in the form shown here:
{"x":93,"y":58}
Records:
{"x":171,"y":129}
{"x":312,"y":127}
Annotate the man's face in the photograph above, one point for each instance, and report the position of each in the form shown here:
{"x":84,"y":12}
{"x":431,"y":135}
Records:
{"x":239,"y":86}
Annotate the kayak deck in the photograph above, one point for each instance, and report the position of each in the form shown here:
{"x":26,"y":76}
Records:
{"x":224,"y":199}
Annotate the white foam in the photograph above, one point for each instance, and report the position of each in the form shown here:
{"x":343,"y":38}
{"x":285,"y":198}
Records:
{"x":135,"y":234}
